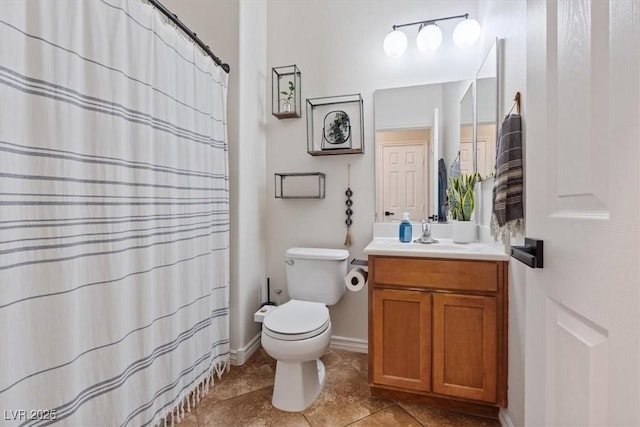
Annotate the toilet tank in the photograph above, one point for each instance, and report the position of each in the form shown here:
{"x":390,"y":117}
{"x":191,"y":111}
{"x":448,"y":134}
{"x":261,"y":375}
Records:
{"x":315,"y":274}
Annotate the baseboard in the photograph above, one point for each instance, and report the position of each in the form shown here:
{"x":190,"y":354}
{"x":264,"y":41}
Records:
{"x":241,"y":355}
{"x":503,"y":417}
{"x":349,"y":344}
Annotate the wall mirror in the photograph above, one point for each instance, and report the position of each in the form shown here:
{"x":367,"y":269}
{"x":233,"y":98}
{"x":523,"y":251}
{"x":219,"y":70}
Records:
{"x":415,"y":127}
{"x":486,"y":123}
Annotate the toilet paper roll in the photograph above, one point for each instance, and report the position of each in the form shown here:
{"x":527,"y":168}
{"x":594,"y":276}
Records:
{"x":356,"y":279}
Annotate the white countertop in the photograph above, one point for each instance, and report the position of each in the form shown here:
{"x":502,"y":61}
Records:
{"x":445,"y":248}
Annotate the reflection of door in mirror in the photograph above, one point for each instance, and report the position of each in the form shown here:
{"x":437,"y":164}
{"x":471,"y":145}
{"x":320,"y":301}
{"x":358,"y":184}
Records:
{"x":466,"y":149}
{"x":404,"y":177}
{"x":466,"y":132}
{"x":486,"y":149}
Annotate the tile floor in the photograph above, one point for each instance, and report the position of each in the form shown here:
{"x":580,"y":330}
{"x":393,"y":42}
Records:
{"x":242,"y":397}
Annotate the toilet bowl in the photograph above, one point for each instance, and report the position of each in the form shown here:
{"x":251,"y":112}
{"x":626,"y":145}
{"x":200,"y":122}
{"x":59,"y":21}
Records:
{"x":298,"y":332}
{"x":297,"y":342}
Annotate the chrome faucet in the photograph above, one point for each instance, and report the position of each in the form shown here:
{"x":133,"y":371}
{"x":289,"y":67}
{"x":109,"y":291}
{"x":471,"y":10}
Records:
{"x":426,"y":237}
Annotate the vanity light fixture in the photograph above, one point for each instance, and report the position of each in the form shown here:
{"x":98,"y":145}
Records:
{"x":429,"y":37}
{"x":465,"y":34}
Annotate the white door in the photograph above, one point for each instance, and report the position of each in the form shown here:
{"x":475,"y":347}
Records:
{"x":403,"y":183}
{"x":466,"y":149}
{"x":486,"y":150}
{"x":582,"y":147}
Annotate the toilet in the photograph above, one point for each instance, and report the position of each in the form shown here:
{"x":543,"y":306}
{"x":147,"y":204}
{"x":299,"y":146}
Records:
{"x":297,"y":333}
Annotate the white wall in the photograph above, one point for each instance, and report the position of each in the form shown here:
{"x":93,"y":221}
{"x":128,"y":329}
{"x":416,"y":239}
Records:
{"x":507,"y":19}
{"x":452,"y":93}
{"x":338,"y":48}
{"x":236,"y":32}
{"x":248,"y":262}
{"x":406,"y":107}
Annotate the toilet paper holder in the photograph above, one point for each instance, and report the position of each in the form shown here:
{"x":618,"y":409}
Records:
{"x":360,"y":263}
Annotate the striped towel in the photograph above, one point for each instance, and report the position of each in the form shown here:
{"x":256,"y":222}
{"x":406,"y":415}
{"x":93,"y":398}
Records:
{"x":442,"y":191}
{"x":508,"y":211}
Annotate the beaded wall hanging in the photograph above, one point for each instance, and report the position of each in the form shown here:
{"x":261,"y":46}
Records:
{"x":349,"y":203}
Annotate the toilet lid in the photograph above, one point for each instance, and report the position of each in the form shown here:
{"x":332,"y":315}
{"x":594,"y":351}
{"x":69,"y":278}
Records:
{"x":297,"y":320}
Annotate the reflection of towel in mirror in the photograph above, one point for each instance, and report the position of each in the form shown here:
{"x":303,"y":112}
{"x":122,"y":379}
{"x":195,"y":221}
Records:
{"x":442,"y":191}
{"x":508,"y":212}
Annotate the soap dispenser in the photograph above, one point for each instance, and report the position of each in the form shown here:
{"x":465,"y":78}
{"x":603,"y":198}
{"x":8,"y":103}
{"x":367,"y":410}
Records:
{"x":405,"y":228}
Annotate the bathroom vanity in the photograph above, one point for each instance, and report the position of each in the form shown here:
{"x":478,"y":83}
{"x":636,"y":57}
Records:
{"x":438,"y":324}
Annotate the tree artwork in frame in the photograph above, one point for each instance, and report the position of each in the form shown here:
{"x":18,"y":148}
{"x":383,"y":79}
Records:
{"x":336,"y":132}
{"x":334,"y":125}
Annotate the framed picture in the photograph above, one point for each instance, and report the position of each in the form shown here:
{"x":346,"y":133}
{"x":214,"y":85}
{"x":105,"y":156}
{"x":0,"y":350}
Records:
{"x":335,"y":125}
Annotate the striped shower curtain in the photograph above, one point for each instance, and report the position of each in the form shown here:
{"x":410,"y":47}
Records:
{"x":114,"y":216}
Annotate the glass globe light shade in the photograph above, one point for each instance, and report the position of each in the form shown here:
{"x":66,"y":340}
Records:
{"x":395,"y":43}
{"x":466,"y":33}
{"x":429,"y":38}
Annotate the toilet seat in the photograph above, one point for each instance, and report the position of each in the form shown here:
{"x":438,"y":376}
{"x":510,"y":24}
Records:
{"x":297,"y":320}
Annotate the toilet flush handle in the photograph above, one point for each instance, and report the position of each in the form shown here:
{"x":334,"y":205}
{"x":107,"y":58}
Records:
{"x":289,"y":261}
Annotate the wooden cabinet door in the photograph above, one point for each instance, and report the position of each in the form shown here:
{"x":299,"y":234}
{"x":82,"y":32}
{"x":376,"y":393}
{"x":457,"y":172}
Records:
{"x":464,"y":346}
{"x":402,"y":339}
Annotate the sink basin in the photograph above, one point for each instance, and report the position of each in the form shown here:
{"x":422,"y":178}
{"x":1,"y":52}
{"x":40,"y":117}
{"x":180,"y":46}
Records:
{"x":445,"y":248}
{"x":428,"y":246}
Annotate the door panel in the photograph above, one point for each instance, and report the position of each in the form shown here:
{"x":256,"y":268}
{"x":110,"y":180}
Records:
{"x":403,"y":182}
{"x":582,"y":351}
{"x":583,"y":156}
{"x":465,"y":346}
{"x":466,"y":149}
{"x":402,"y":339}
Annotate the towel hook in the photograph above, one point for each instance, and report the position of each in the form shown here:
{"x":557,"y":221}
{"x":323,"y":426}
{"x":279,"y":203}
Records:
{"x":516,"y":103}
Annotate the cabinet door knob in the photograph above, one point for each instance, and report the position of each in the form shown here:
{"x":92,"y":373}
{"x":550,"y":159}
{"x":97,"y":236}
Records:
{"x":387,"y":213}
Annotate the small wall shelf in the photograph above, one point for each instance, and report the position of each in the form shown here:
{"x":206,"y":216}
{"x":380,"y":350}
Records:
{"x":286,"y":100}
{"x":335,"y":125}
{"x":306,"y":185}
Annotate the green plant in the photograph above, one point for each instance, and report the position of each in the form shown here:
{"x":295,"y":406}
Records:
{"x":462,"y":199}
{"x":289,"y":93}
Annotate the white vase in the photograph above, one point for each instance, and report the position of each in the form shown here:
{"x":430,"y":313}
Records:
{"x":464,"y":231}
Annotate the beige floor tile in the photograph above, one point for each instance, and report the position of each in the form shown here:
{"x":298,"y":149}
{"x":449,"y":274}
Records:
{"x":345,"y":397}
{"x":255,"y":374}
{"x":432,"y":417}
{"x":190,"y":419}
{"x":331,"y":359}
{"x":270,"y":360}
{"x":243,"y":398}
{"x":250,"y":409}
{"x":359,"y":361}
{"x":391,"y":416}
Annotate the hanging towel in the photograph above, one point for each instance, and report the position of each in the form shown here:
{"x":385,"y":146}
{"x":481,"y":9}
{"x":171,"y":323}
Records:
{"x":442,"y":191}
{"x":508,"y":212}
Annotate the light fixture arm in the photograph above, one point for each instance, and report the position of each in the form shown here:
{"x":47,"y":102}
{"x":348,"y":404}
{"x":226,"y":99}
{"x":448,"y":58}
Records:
{"x":431,"y":21}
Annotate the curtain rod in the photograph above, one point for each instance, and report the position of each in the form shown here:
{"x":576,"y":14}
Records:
{"x":174,"y":18}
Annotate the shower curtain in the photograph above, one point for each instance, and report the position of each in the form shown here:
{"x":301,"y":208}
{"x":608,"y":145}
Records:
{"x":114,"y":215}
